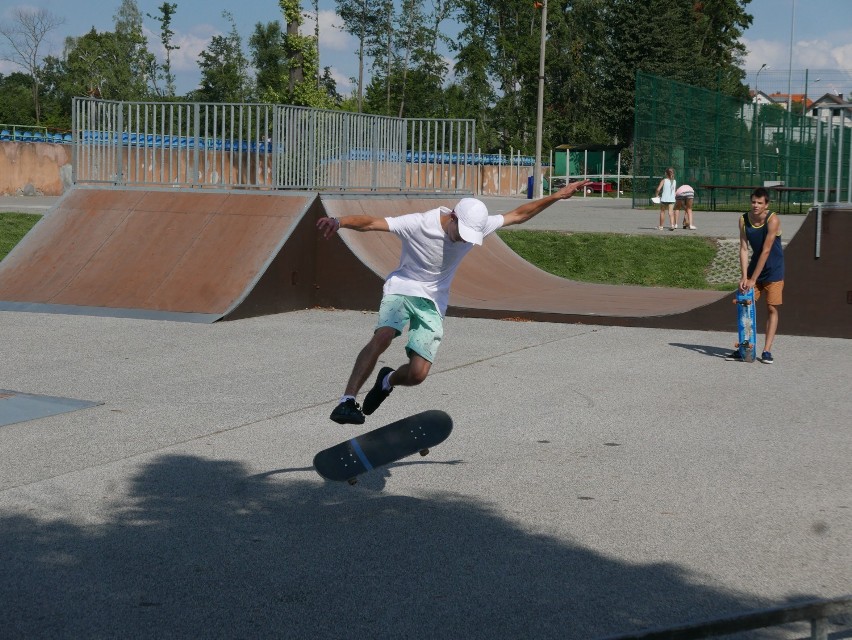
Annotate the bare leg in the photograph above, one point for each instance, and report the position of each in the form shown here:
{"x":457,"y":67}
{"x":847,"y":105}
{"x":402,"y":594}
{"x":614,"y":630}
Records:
{"x":672,"y":216}
{"x":662,"y":214}
{"x":771,"y":326}
{"x":412,"y":373}
{"x":367,"y":359}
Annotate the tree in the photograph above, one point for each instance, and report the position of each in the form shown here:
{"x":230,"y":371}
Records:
{"x":137,"y":65}
{"x":167,"y":12}
{"x":696,"y":43}
{"x":358,"y":19}
{"x":224,"y":68}
{"x":115,"y":65}
{"x":25,"y":37}
{"x":267,"y":54}
{"x":302,"y":56}
{"x":16,"y":99}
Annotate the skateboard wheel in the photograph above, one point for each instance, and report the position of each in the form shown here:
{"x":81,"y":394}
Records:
{"x":352,"y":481}
{"x":424,"y":452}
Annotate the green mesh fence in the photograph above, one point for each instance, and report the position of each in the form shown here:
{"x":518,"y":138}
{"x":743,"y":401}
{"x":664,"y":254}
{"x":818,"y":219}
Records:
{"x":724,"y":147}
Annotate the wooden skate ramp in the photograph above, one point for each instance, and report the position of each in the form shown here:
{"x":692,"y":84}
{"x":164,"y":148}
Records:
{"x":166,"y":254}
{"x":494,"y":282}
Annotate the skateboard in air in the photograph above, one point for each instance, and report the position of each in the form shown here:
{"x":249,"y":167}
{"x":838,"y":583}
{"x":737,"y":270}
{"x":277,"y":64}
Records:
{"x":382,"y":446}
{"x":746,"y":325}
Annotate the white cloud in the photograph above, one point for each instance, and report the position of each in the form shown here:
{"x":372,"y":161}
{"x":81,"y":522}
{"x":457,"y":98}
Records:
{"x":769,"y":52}
{"x":843,"y":56}
{"x":191,"y":45}
{"x":344,"y":84}
{"x":332,"y":35}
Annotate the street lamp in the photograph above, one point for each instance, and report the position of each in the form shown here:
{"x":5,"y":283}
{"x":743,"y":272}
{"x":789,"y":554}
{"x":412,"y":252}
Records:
{"x":537,"y":181}
{"x":756,"y":126}
{"x":756,"y":78}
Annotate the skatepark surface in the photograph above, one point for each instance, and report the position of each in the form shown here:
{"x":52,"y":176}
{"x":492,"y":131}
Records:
{"x":598,"y":480}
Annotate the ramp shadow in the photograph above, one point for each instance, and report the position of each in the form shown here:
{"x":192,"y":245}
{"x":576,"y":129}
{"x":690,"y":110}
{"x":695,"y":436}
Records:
{"x":202,"y":548}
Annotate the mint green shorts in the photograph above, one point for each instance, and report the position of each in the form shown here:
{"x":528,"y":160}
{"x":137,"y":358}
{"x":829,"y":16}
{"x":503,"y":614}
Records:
{"x":425,"y":325}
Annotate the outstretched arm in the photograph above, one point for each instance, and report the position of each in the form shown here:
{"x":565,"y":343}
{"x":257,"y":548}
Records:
{"x":534,"y":207}
{"x":330,"y":226}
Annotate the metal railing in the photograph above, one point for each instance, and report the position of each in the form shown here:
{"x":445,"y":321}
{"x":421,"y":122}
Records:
{"x":817,"y":612}
{"x":263,"y":146}
{"x":833,"y":164}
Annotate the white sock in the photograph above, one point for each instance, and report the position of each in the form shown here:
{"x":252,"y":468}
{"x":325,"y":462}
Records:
{"x":345,"y":398}
{"x":386,"y":385}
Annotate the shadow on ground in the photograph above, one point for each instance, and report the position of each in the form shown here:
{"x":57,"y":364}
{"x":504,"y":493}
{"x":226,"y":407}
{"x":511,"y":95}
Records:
{"x":202,"y":549}
{"x":707,"y":350}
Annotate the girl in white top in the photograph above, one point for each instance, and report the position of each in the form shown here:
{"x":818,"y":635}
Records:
{"x":666,"y":193}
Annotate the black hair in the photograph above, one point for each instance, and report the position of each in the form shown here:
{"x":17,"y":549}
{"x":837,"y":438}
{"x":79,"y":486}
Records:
{"x":761,"y":192}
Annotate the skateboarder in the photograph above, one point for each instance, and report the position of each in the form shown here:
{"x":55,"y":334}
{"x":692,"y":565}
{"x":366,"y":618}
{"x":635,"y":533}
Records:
{"x":761,"y":230}
{"x":416,"y":294}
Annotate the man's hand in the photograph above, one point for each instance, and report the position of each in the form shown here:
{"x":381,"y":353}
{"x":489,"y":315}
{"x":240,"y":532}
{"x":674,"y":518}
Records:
{"x":328,"y":226}
{"x":570,"y":189}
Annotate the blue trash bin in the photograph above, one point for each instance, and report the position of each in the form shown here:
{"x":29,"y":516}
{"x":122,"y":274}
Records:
{"x":530,"y":187}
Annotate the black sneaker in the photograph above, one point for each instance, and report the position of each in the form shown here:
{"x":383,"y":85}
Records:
{"x":377,"y":395}
{"x":767,"y":358}
{"x":348,"y":412}
{"x":735,"y":356}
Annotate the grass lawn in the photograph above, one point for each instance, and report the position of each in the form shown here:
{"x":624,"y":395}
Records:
{"x":607,"y":258}
{"x":13,"y":227}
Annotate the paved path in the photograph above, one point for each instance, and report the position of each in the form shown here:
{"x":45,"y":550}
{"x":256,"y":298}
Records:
{"x":598,"y":480}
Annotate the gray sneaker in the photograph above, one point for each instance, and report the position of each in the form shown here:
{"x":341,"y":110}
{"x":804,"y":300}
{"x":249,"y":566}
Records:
{"x":348,"y":412}
{"x":377,"y":394}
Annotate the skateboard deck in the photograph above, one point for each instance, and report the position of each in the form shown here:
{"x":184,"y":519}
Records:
{"x":382,"y":446}
{"x":746,"y":325}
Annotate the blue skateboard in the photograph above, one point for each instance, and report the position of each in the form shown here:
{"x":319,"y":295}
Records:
{"x":746,"y":325}
{"x":387,"y":444}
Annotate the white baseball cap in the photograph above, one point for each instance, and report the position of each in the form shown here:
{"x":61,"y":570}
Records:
{"x":472,"y":216}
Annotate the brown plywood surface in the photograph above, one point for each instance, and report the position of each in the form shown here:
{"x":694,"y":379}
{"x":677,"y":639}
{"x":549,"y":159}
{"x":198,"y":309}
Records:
{"x":238,"y":254}
{"x":183,"y":252}
{"x":495,"y":280}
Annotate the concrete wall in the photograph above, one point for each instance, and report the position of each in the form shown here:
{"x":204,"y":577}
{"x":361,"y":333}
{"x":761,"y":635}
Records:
{"x":37,"y":168}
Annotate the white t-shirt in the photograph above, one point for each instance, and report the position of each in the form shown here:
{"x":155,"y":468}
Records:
{"x":429,"y":258}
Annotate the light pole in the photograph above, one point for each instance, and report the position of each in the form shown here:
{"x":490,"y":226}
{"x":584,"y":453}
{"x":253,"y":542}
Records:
{"x":757,"y":78}
{"x":788,"y":129}
{"x":537,"y":181}
{"x":790,"y":67}
{"x":756,"y":126}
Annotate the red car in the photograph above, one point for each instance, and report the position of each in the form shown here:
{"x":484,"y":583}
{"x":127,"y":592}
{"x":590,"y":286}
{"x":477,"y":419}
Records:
{"x":596,"y":187}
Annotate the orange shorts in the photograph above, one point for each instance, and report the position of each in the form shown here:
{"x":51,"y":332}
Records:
{"x":773,"y":292}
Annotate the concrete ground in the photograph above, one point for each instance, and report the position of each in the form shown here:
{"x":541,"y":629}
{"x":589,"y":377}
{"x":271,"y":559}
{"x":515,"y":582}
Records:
{"x":598,"y":480}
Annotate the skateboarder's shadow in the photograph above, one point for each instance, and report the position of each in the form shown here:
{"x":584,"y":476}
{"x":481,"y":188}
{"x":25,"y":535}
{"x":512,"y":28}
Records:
{"x":713,"y":352}
{"x":374,"y":480}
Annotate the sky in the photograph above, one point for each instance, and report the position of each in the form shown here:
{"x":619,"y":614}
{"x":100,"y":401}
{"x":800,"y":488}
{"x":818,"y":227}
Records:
{"x":821,"y":30}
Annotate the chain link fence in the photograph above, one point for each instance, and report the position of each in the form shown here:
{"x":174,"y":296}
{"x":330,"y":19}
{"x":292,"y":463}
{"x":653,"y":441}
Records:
{"x":724,"y":147}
